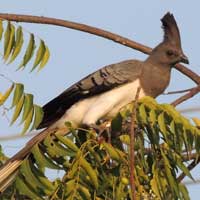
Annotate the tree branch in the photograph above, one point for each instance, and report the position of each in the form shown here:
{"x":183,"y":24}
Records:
{"x":177,"y":91}
{"x":95,"y":31}
{"x":132,"y":142}
{"x":187,"y":96}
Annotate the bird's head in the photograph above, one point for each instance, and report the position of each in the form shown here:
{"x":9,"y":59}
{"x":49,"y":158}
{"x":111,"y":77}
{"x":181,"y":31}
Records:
{"x":170,"y":51}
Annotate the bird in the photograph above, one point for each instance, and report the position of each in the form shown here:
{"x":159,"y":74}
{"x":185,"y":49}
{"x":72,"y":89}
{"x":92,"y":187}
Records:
{"x":103,"y":93}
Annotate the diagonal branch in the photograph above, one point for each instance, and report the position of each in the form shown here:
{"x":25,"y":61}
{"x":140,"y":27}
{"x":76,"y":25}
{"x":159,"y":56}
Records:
{"x":95,"y":31}
{"x":187,"y":96}
{"x":177,"y":91}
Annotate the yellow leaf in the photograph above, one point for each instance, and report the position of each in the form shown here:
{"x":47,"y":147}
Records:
{"x":196,"y":121}
{"x":1,"y":96}
{"x":6,"y":95}
{"x":45,"y":58}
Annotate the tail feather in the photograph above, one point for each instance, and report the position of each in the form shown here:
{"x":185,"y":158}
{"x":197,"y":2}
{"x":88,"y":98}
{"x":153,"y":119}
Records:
{"x":10,"y":169}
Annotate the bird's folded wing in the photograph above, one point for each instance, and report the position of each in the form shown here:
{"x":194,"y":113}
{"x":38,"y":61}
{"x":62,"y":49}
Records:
{"x":103,"y":80}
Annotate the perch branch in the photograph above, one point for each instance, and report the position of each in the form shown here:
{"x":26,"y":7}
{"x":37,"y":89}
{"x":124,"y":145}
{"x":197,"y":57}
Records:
{"x":95,"y":31}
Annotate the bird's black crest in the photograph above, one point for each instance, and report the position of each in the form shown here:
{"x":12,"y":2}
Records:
{"x":171,"y":31}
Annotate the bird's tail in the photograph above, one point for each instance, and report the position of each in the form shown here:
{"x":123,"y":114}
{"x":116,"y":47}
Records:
{"x":9,"y":170}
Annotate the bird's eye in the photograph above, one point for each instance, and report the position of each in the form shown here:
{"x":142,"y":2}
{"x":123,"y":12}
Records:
{"x":170,"y":53}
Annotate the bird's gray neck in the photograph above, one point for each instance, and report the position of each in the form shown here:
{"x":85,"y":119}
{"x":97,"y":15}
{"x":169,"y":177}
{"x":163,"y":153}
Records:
{"x":155,"y":77}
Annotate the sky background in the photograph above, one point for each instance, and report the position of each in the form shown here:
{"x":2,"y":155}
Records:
{"x":76,"y":54}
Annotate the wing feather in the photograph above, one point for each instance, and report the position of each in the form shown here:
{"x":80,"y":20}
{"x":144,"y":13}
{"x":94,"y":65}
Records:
{"x":103,"y":80}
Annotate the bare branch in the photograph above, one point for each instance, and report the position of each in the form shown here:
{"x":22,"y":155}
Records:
{"x":187,"y":96}
{"x":178,"y":91}
{"x":190,"y":109}
{"x":17,"y":136}
{"x":95,"y":31}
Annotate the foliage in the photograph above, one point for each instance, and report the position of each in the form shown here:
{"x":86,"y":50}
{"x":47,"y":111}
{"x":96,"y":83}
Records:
{"x":22,"y":103}
{"x":13,"y":42}
{"x":93,"y":168}
{"x":12,"y":38}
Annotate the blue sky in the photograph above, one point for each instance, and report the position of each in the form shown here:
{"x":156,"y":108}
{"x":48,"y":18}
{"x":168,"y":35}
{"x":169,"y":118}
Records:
{"x":75,"y":54}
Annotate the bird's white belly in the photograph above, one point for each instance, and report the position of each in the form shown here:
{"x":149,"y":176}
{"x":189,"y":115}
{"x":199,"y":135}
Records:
{"x":89,"y":110}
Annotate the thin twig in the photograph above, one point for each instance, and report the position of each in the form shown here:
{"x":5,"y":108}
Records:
{"x":178,"y":91}
{"x":5,"y":77}
{"x":132,"y":142}
{"x":95,"y":31}
{"x":190,"y":109}
{"x":187,"y":96}
{"x":17,"y":136}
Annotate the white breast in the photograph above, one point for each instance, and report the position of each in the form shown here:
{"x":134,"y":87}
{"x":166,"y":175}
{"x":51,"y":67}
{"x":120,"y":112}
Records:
{"x":89,"y":110}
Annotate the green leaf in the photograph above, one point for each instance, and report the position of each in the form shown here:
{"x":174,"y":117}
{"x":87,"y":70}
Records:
{"x":154,"y":187}
{"x":152,"y":117}
{"x":1,"y":29}
{"x":32,"y":179}
{"x":84,"y":192}
{"x":19,"y":90}
{"x":18,"y":109}
{"x":184,"y":191}
{"x":40,"y":54}
{"x":161,"y":122}
{"x":54,"y":149}
{"x":111,"y":151}
{"x":7,"y":37}
{"x":196,"y":121}
{"x":44,"y":180}
{"x":28,"y":105}
{"x":45,"y":58}
{"x":169,"y":176}
{"x":29,"y":51}
{"x":6,"y":95}
{"x":90,"y":171}
{"x":180,"y":164}
{"x":142,"y":113}
{"x":116,"y":123}
{"x":70,"y":185}
{"x":67,"y":142}
{"x":18,"y":44}
{"x":38,"y":116}
{"x":26,"y":190}
{"x":10,"y":43}
{"x":42,"y":160}
{"x":28,"y":121}
{"x":125,"y":139}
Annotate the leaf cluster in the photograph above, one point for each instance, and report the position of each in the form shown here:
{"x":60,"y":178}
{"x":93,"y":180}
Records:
{"x":94,"y":168}
{"x":22,"y":104}
{"x":13,"y":45}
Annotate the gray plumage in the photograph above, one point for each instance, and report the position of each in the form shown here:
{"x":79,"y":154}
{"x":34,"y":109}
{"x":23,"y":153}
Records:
{"x":96,"y":83}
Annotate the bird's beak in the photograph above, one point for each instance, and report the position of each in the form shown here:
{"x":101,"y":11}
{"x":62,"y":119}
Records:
{"x":184,"y":59}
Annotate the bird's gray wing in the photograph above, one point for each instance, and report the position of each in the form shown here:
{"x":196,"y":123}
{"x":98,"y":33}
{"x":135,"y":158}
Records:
{"x":103,"y":80}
